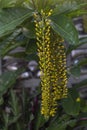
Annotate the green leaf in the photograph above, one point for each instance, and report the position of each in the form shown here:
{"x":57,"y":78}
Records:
{"x":14,"y":104}
{"x":81,"y":42}
{"x":11,"y":18}
{"x":14,"y":120}
{"x":7,"y":3}
{"x":26,"y":57}
{"x":69,"y":6}
{"x":61,"y":123}
{"x":31,"y":47}
{"x":84,"y":107}
{"x":21,"y":55}
{"x":40,"y":121}
{"x":6,"y":120}
{"x":9,"y":47}
{"x":65,"y":7}
{"x":7,"y":79}
{"x":1,"y":100}
{"x":70,"y":104}
{"x":76,"y":71}
{"x":80,"y":84}
{"x":77,"y":13}
{"x":29,"y":29}
{"x":82,"y":62}
{"x":9,"y":43}
{"x":10,"y":3}
{"x":64,"y":26}
{"x":32,"y":56}
{"x":31,"y":50}
{"x":82,"y":119}
{"x":78,"y":9}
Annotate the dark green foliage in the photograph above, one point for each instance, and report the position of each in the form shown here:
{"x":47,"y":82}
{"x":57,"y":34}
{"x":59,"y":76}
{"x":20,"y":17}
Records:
{"x":20,"y":109}
{"x":70,"y":104}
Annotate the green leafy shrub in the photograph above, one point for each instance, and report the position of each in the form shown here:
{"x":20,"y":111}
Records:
{"x":17,"y":28}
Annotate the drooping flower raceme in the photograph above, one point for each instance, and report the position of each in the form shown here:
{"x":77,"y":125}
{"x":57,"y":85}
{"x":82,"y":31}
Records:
{"x":52,"y":62}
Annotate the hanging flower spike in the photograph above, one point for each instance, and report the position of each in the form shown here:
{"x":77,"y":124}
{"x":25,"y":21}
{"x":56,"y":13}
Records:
{"x":42,"y":26}
{"x":52,"y":61}
{"x":58,"y":72}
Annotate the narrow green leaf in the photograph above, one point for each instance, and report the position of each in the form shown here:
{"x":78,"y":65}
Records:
{"x":14,"y":104}
{"x":14,"y":120}
{"x":11,"y":18}
{"x":77,"y":13}
{"x":40,"y":121}
{"x":64,"y":26}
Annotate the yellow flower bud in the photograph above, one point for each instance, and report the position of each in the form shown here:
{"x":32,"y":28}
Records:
{"x":78,"y":99}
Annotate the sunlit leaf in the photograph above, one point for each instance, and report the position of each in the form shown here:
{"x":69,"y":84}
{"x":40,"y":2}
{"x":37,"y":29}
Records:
{"x":64,"y":26}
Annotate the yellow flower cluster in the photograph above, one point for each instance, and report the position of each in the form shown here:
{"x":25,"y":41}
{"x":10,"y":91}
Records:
{"x":52,"y":61}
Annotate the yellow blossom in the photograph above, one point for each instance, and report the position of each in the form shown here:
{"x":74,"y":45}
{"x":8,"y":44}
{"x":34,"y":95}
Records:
{"x":52,"y":61}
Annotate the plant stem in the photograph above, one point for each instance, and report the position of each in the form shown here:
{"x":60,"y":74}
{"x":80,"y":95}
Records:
{"x":18,"y":126}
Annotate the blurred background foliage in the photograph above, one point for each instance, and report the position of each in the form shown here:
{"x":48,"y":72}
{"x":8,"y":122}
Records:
{"x":20,"y":109}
